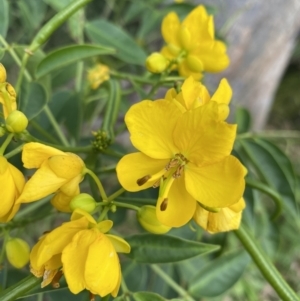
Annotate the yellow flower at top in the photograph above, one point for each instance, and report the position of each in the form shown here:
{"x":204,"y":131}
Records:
{"x":12,"y":183}
{"x":192,"y":44}
{"x":193,"y":95}
{"x":58,"y":172}
{"x":186,"y":154}
{"x":84,"y":252}
{"x":98,"y":75}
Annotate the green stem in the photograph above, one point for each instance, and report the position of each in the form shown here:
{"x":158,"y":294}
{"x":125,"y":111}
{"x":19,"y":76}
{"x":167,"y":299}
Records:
{"x":116,"y":194}
{"x":14,"y":152}
{"x":98,"y":183}
{"x":5,"y":144}
{"x":103,"y":213}
{"x":125,"y":290}
{"x":183,"y":293}
{"x":45,"y":133}
{"x":21,"y":72}
{"x":20,"y":288}
{"x":55,"y":126}
{"x":265,"y":265}
{"x":129,"y":206}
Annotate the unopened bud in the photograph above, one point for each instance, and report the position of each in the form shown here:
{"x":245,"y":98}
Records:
{"x":83,"y":201}
{"x":17,"y":252}
{"x":156,"y":63}
{"x":16,"y":122}
{"x":148,"y":220}
{"x":2,"y":130}
{"x":2,"y":74}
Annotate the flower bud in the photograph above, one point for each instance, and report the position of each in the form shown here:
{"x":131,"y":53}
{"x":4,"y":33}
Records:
{"x":16,"y":122}
{"x":148,"y":220}
{"x":83,"y":201}
{"x":2,"y":74}
{"x":156,"y":63}
{"x":17,"y":252}
{"x":2,"y":130}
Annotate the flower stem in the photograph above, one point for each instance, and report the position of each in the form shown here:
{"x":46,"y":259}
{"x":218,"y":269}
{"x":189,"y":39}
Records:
{"x":5,"y":144}
{"x":116,"y":194}
{"x":22,"y":71}
{"x":124,"y":205}
{"x":55,"y":126}
{"x":14,"y":152}
{"x":183,"y":293}
{"x":98,"y":183}
{"x":265,"y":265}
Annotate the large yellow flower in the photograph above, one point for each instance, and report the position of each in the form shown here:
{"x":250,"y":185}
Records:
{"x":57,"y":172}
{"x":192,"y":43}
{"x":224,"y":219}
{"x":193,"y":95}
{"x":85,"y":253}
{"x":12,"y":183}
{"x":186,"y":154}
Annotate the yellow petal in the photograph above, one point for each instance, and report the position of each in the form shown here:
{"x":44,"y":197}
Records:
{"x":224,"y":93}
{"x":62,"y":201}
{"x":217,"y":185}
{"x":34,"y":154}
{"x":18,"y":178}
{"x":120,"y":245}
{"x":135,"y":166}
{"x":171,"y":94}
{"x":79,"y":213}
{"x":185,"y":37}
{"x":194,"y":63}
{"x":8,"y":216}
{"x":226,"y":219}
{"x":151,"y":125}
{"x":74,"y":259}
{"x":104,"y":226}
{"x":44,"y":182}
{"x":223,"y":112}
{"x":170,"y":27}
{"x":180,"y":206}
{"x":72,"y":187}
{"x":201,"y":138}
{"x":185,"y":71}
{"x":102,"y":268}
{"x":114,"y":293}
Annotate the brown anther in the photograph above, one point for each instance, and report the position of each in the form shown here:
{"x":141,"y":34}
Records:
{"x":178,"y":172}
{"x":164,"y":205}
{"x":143,"y":180}
{"x":173,"y":163}
{"x":92,"y":297}
{"x":158,"y":182}
{"x":56,"y":278}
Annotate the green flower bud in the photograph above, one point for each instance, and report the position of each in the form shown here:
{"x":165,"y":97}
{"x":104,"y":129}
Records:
{"x":17,"y":252}
{"x":2,"y":130}
{"x":16,"y":122}
{"x":148,"y":220}
{"x":83,"y":201}
{"x":2,"y":74}
{"x":156,"y":63}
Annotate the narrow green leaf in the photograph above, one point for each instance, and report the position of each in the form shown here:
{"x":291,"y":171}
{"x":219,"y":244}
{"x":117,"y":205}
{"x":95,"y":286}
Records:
{"x":219,"y":275}
{"x":150,"y":248}
{"x":243,"y":120}
{"x":146,"y":296}
{"x":68,"y":55}
{"x":105,"y":33}
{"x":4,"y":17}
{"x":32,"y":99}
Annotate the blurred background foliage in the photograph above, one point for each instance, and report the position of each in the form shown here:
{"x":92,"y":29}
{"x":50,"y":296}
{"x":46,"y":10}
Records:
{"x":133,"y":29}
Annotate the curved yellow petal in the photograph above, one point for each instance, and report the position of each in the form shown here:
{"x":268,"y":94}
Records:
{"x":105,"y":226}
{"x":171,"y":94}
{"x":185,"y":71}
{"x":217,"y":185}
{"x":120,"y":245}
{"x":135,"y":166}
{"x":44,"y":182}
{"x":18,"y":178}
{"x":62,"y":201}
{"x":102,"y":268}
{"x":114,"y":293}
{"x":151,"y":125}
{"x":10,"y":214}
{"x":72,"y":186}
{"x":224,"y":93}
{"x":179,"y":208}
{"x":201,"y":138}
{"x":79,"y":213}
{"x":74,"y":258}
{"x":226,"y":219}
{"x":170,"y":27}
{"x":34,"y":154}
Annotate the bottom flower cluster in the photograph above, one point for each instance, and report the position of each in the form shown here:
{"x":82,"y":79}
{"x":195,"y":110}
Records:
{"x":83,"y":252}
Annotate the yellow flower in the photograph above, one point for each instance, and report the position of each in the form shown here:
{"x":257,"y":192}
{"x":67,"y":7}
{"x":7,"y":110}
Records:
{"x":156,"y":63}
{"x":57,"y":172}
{"x":17,"y":252}
{"x":226,"y":219}
{"x":186,"y":154}
{"x":85,"y":253}
{"x":193,"y":95}
{"x":192,"y":43}
{"x":8,"y":99}
{"x":98,"y":75}
{"x":12,"y":183}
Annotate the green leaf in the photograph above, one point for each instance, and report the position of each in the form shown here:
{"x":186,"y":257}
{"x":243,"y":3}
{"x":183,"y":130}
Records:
{"x":32,"y":99}
{"x":271,"y":170}
{"x":150,"y":248}
{"x":68,"y":55}
{"x":130,"y":270}
{"x":219,"y":275}
{"x":243,"y":120}
{"x":4,"y":17}
{"x":146,"y":296}
{"x":105,"y":33}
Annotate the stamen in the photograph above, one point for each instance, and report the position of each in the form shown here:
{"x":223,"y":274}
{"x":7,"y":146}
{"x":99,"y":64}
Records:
{"x":56,"y":278}
{"x":164,"y":205}
{"x":143,"y":180}
{"x":178,"y":172}
{"x":173,"y":163}
{"x":92,"y":297}
{"x":159,"y":182}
